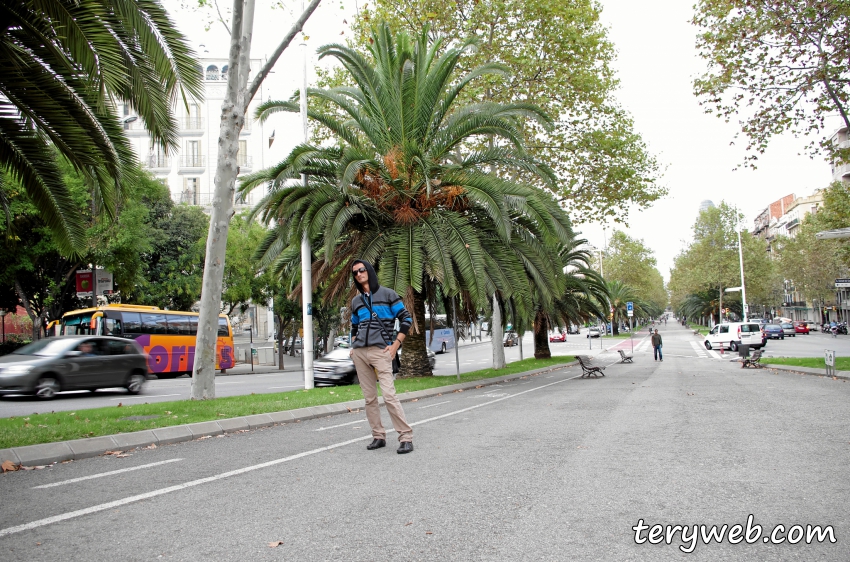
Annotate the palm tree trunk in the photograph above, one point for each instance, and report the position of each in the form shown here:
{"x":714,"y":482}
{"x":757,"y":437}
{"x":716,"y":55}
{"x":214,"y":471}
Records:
{"x":414,"y":359}
{"x":541,"y":335}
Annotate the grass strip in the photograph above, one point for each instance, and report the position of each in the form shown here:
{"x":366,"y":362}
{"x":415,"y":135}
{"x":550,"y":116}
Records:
{"x":64,"y":426}
{"x":841,"y":363}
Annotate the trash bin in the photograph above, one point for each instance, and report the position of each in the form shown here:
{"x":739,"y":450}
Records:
{"x":744,"y":350}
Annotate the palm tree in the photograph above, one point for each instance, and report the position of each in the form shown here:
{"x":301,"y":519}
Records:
{"x":619,"y":294}
{"x":580,"y":293}
{"x":65,"y":65}
{"x":402,"y":190}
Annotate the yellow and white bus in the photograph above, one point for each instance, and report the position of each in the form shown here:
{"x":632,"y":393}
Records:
{"x":167,"y":336}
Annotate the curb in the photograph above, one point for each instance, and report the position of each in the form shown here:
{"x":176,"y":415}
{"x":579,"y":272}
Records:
{"x":48,"y":453}
{"x":844,"y":375}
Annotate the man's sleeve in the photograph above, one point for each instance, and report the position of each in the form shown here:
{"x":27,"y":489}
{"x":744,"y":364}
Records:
{"x":401,"y":313}
{"x":355,"y":322}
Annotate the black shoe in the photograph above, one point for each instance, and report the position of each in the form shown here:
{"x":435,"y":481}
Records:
{"x":376,"y":444}
{"x":405,"y":447}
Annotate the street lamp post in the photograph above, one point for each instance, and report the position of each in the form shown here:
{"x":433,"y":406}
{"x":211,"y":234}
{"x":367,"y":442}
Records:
{"x":743,"y":287}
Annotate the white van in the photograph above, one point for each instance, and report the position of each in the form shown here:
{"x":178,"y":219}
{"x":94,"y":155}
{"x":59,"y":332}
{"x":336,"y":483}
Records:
{"x":732,"y":334}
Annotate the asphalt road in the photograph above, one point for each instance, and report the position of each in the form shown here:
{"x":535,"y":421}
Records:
{"x":470,"y":358}
{"x":552,"y":467}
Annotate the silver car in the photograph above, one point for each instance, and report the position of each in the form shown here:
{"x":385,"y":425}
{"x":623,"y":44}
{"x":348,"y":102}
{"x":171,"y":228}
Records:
{"x":52,"y":365}
{"x":337,"y":368}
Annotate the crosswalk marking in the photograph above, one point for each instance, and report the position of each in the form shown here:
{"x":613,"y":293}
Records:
{"x":700,"y":350}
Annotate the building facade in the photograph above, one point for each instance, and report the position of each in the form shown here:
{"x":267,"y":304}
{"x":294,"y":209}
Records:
{"x":189,"y":172}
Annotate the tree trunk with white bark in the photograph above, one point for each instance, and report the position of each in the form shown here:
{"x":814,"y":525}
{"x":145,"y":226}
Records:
{"x":497,"y":335}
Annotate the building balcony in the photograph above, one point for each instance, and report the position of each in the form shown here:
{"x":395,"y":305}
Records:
{"x":841,"y":171}
{"x":193,"y":162}
{"x":190,"y":197}
{"x":248,"y":126}
{"x":193,"y":124}
{"x":156,"y":162}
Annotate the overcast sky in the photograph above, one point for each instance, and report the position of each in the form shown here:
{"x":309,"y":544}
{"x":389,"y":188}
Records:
{"x":656,"y":64}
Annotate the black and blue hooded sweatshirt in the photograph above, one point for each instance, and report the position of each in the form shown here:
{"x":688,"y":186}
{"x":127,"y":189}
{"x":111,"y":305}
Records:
{"x":387,"y":305}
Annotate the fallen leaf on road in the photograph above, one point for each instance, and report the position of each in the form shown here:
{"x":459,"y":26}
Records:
{"x":428,"y":533}
{"x":9,"y":466}
{"x":119,"y":405}
{"x":113,"y":452}
{"x":275,"y":544}
{"x":204,"y":437}
{"x":349,"y":409}
{"x":480,"y":386}
{"x":39,"y":467}
{"x":415,"y":400}
{"x":408,"y":523}
{"x":121,"y":456}
{"x":151,"y":446}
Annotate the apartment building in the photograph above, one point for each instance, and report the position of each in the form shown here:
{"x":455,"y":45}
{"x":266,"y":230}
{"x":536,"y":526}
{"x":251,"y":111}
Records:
{"x":841,"y":170}
{"x":189,"y":172}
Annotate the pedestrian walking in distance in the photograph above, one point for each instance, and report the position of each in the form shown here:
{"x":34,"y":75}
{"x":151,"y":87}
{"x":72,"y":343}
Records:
{"x":373,"y":347}
{"x":656,"y":346}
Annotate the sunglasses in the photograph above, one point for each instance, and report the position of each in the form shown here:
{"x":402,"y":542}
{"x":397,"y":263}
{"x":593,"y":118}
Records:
{"x":359,"y":271}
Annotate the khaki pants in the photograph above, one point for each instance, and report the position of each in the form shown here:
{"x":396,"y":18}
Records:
{"x":367,"y":360}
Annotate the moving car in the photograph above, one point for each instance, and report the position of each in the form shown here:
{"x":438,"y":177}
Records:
{"x":730,"y":335}
{"x":800,"y":328}
{"x":337,"y":368}
{"x":774,"y":332}
{"x":46,"y":367}
{"x":556,"y":337}
{"x":594,"y":332}
{"x":788,"y":329}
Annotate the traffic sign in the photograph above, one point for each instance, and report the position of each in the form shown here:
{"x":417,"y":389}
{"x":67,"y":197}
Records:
{"x":630,"y":309}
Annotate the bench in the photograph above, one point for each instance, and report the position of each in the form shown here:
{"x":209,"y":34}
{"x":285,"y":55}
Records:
{"x":624,"y":358}
{"x":753,"y":360}
{"x":587,"y":369}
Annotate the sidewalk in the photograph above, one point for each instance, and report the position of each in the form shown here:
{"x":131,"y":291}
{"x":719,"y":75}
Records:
{"x":48,"y":453}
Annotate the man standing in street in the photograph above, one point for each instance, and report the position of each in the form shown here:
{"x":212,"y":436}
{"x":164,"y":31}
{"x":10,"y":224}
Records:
{"x":373,"y":314}
{"x":656,"y":346}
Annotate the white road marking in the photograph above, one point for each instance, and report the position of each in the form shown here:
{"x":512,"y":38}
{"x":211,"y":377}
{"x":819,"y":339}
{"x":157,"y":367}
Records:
{"x":110,"y":473}
{"x":432,"y":405}
{"x":244,"y":470}
{"x":144,"y":396}
{"x":340,"y":425}
{"x":713,"y":353}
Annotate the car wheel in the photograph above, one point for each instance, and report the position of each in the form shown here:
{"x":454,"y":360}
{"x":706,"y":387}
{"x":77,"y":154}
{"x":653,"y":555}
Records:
{"x":708,"y":345}
{"x":135,"y":383}
{"x":46,"y":388}
{"x":733,"y":346}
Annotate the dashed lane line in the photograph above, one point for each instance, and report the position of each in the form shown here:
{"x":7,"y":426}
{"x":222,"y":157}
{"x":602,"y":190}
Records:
{"x":102,"y":474}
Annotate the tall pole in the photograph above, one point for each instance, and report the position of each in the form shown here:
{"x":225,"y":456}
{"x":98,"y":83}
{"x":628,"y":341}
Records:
{"x":306,"y":253}
{"x":454,"y":326}
{"x":720,"y":312}
{"x":743,"y":289}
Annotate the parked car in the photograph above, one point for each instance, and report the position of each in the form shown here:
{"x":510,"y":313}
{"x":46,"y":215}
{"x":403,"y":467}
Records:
{"x":812,"y":326}
{"x":556,"y":337}
{"x":46,"y":367}
{"x":594,"y":332}
{"x":800,"y":328}
{"x":774,"y":332}
{"x":337,"y":368}
{"x":511,"y":339}
{"x":732,"y":334}
{"x":788,"y":328}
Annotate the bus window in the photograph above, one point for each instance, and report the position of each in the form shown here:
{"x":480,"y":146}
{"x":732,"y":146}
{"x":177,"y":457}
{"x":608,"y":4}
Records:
{"x":77,"y":325}
{"x":154,"y":323}
{"x":111,"y":326}
{"x":132,"y":322}
{"x":179,"y":325}
{"x":223,"y":328}
{"x":193,"y":325}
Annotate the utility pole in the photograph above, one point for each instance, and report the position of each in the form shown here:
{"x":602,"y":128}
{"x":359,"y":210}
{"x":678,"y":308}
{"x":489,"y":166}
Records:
{"x":306,"y":252}
{"x":743,"y":288}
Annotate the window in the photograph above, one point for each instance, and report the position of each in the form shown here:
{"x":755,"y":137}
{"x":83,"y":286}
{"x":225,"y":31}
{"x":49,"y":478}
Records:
{"x":118,"y":347}
{"x":224,"y":72}
{"x":132,"y":322}
{"x":191,"y":191}
{"x":182,"y":325}
{"x":212,"y":72}
{"x":193,"y":117}
{"x":242,"y":156}
{"x":222,"y":327}
{"x":78,"y":325}
{"x":154,"y":323}
{"x":724,"y":329}
{"x":193,"y":153}
{"x":111,"y":326}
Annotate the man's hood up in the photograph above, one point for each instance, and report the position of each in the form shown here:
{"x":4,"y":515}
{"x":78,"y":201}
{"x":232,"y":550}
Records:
{"x":373,"y":277}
